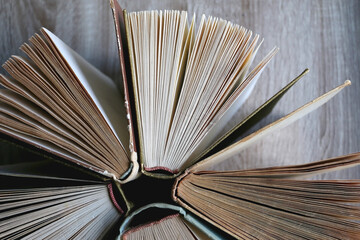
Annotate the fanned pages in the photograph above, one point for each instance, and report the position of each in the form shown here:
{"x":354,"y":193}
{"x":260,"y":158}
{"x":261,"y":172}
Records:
{"x":187,"y":86}
{"x":168,"y":222}
{"x":101,"y":90}
{"x":297,"y":171}
{"x":230,"y":107}
{"x":49,"y":170}
{"x":182,"y":87}
{"x":233,"y":134}
{"x":279,"y":124}
{"x":74,"y":212}
{"x":46,"y":199}
{"x":269,"y":204}
{"x":170,"y":227}
{"x":57,"y":101}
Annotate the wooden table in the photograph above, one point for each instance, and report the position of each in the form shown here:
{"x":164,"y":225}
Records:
{"x":323,"y":36}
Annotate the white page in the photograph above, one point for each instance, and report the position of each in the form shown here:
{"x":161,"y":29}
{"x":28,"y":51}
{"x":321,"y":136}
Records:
{"x":217,"y":130}
{"x":100,"y":88}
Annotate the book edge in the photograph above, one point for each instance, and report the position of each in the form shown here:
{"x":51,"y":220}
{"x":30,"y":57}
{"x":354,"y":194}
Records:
{"x":267,"y":106}
{"x":278,"y":124}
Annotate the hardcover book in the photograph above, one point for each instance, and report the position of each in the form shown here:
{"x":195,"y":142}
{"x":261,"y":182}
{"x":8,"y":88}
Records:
{"x":181,"y":88}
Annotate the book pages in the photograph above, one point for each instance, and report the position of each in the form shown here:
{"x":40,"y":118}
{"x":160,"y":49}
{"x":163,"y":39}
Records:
{"x":101,"y":89}
{"x":275,"y":126}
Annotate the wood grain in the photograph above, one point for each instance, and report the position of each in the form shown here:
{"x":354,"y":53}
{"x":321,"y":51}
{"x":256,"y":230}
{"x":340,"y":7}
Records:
{"x":320,"y":35}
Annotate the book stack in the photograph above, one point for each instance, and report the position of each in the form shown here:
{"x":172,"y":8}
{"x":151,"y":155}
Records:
{"x":135,"y":162}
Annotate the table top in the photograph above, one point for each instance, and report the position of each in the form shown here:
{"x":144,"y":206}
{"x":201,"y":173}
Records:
{"x":320,"y":35}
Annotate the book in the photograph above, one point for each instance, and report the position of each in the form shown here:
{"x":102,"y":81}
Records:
{"x":173,"y":221}
{"x":46,"y":199}
{"x":274,"y":202}
{"x":180,"y":89}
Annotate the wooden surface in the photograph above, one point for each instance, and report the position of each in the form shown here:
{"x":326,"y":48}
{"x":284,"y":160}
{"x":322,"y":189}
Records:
{"x":320,"y":35}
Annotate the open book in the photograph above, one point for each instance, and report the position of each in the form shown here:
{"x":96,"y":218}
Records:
{"x":181,"y":89}
{"x":46,"y":199}
{"x":273,"y":202}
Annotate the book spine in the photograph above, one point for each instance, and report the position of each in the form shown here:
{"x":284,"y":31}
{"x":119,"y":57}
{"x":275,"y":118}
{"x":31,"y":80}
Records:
{"x":119,"y":22}
{"x":176,"y":184}
{"x":113,"y":199}
{"x":168,"y":173}
{"x":191,"y":217}
{"x":128,"y":205}
{"x":119,"y":25}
